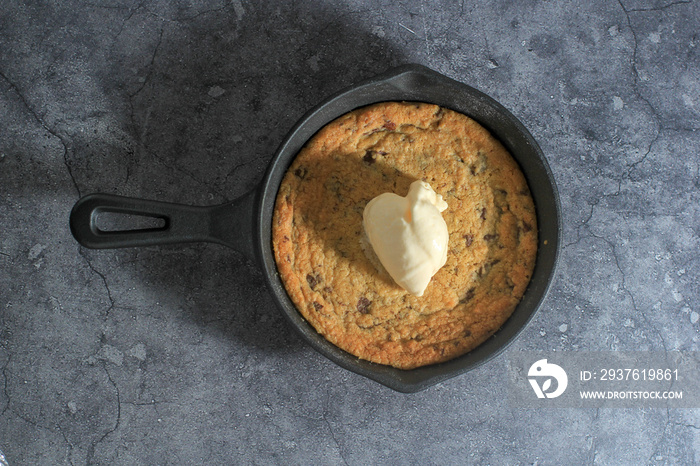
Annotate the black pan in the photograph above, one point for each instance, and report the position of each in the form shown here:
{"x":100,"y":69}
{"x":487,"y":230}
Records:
{"x":246,"y":223}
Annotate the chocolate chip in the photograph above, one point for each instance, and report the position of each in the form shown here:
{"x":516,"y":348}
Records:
{"x":390,"y":125}
{"x":467,"y":333}
{"x":483,"y":214}
{"x":369,"y":157}
{"x":317,"y":306}
{"x":300,"y":172}
{"x":327,"y":289}
{"x":527,"y":227}
{"x":363,"y":305}
{"x":467,"y":297}
{"x":490,"y":237}
{"x":469,"y":239}
{"x":313,"y":280}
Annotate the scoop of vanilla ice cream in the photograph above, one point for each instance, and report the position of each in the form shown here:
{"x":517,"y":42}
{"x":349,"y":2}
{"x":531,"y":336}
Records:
{"x":408,"y":235}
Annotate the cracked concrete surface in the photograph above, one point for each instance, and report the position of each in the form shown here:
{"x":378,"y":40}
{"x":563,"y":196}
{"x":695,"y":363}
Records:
{"x":177,"y":355}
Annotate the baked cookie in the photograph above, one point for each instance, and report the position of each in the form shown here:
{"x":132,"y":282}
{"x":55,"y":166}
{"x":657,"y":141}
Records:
{"x":337,"y":285}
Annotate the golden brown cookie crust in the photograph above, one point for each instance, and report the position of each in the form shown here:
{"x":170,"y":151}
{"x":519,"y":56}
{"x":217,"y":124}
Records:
{"x":318,"y":235}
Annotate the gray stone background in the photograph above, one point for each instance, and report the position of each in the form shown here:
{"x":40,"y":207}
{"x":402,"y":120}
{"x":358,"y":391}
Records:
{"x":177,"y":355}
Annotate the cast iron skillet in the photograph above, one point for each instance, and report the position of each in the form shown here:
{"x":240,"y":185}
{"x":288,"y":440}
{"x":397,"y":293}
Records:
{"x":246,"y":223}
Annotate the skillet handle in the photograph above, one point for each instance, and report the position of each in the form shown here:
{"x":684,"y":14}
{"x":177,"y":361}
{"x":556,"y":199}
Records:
{"x":230,"y":224}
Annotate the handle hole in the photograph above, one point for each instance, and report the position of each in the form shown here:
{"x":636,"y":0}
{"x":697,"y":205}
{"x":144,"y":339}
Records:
{"x":114,"y":221}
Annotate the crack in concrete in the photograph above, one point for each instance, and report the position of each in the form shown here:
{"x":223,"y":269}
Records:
{"x":131,"y":13}
{"x":637,"y":92}
{"x":43,"y":124}
{"x":659,"y":8}
{"x":662,"y":438}
{"x":182,"y":19}
{"x":592,"y":453}
{"x":690,"y":426}
{"x":237,"y":166}
{"x":81,"y":251}
{"x":202,"y":13}
{"x":627,"y":175}
{"x":117,"y":422}
{"x":633,"y":165}
{"x":324,"y":417}
{"x":36,"y":424}
{"x":146,"y":403}
{"x":51,"y":429}
{"x":105,"y":7}
{"x":189,"y":174}
{"x":623,"y":286}
{"x":133,"y":10}
{"x":6,"y":392}
{"x":583,"y":224}
{"x":335,"y":440}
{"x":150,"y":66}
{"x":669,"y":422}
{"x":70,"y":445}
{"x":140,"y":135}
